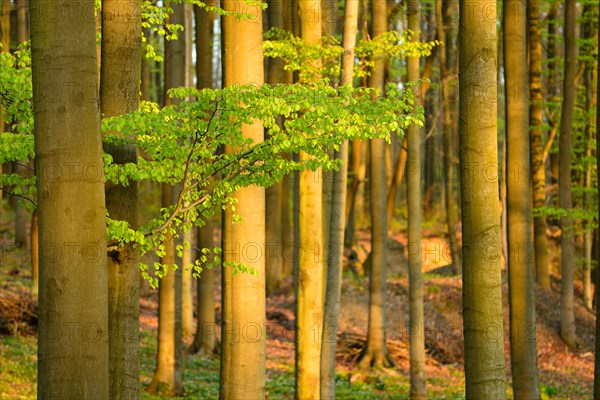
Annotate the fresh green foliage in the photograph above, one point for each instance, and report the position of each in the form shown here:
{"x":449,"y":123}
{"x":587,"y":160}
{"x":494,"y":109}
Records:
{"x":16,"y":145}
{"x":300,"y":56}
{"x":181,"y":144}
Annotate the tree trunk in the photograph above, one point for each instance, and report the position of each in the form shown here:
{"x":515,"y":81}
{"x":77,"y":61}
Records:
{"x":354,"y":204}
{"x":485,"y":375}
{"x":597,"y":255}
{"x":447,"y":13}
{"x":520,"y":270}
{"x":168,"y":377}
{"x":397,"y":178}
{"x":187,"y":298}
{"x":274,"y":193}
{"x":336,"y":232}
{"x":309,"y":314}
{"x":189,"y":236}
{"x":205,"y":341}
{"x":242,"y":335}
{"x":567,"y":245}
{"x":35,"y":251}
{"x":5,"y":26}
{"x":416,"y":313}
{"x":375,"y":354}
{"x":538,"y":170}
{"x":23,"y":28}
{"x":119,"y":94}
{"x":73,"y":360}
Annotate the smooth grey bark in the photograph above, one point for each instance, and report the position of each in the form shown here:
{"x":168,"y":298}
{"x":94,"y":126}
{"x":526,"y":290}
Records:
{"x":119,"y":94}
{"x":73,"y":360}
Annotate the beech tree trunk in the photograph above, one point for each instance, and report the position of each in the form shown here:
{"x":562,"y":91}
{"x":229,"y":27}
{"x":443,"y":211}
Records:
{"x":375,"y":354}
{"x":205,"y":341}
{"x":336,"y":232}
{"x":309,"y":314}
{"x":538,"y":169}
{"x":523,"y":354}
{"x":73,"y":360}
{"x":168,"y":377}
{"x":567,"y":245}
{"x":447,"y":35}
{"x":485,"y":374}
{"x":242,"y":336}
{"x":597,"y":255}
{"x":35,"y":254}
{"x":415,"y":290}
{"x":119,"y":94}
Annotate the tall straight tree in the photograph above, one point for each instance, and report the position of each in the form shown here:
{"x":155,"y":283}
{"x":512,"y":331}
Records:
{"x":482,"y":281}
{"x":243,"y":354}
{"x":523,"y":354}
{"x":274,"y":228}
{"x":567,"y":244}
{"x":597,"y":255}
{"x":309,"y":312}
{"x":73,"y":314}
{"x":538,"y":169}
{"x":415,"y":290}
{"x":376,"y":353}
{"x":336,"y":231}
{"x":119,"y":94}
{"x":447,"y":13}
{"x":168,"y":377}
{"x":205,"y":340}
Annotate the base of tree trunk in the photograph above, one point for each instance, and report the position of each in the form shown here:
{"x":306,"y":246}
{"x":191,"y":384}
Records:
{"x":375,"y":358}
{"x":204,"y":349}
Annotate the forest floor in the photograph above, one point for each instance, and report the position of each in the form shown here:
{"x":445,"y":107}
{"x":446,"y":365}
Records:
{"x":564,"y":373}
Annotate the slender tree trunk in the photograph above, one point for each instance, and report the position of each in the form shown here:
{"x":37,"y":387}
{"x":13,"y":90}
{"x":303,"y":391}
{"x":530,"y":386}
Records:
{"x":35,"y":251}
{"x":416,"y":313}
{"x":21,"y":213}
{"x":553,"y":54}
{"x":73,"y":360}
{"x":336,"y":232}
{"x":375,"y":354}
{"x":482,"y":282}
{"x":187,"y":299}
{"x":447,"y":63}
{"x":520,"y":270}
{"x":23,"y":28}
{"x":354,"y":204}
{"x":309,"y":314}
{"x":397,"y":178}
{"x":204,"y":46}
{"x":119,"y":94}
{"x":567,"y":316}
{"x":242,"y":336}
{"x":5,"y":26}
{"x":538,"y":170}
{"x":205,"y":341}
{"x":589,"y":31}
{"x":274,"y":231}
{"x":189,"y":236}
{"x":168,"y":376}
{"x":597,"y":255}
